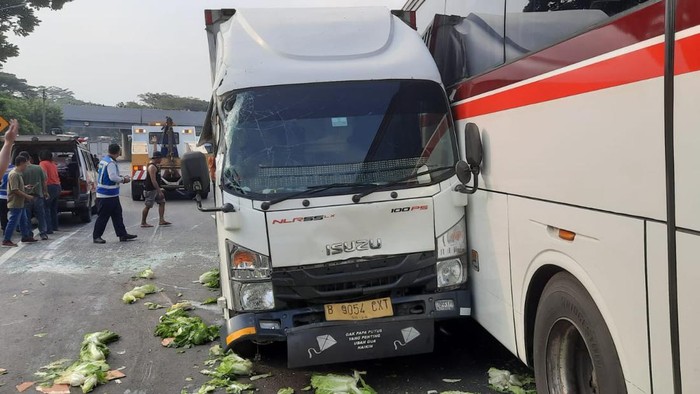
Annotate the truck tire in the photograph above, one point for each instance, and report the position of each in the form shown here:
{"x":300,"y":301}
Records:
{"x":245,"y":349}
{"x":85,"y":215}
{"x":205,"y":195}
{"x":136,"y":191}
{"x":569,"y":328}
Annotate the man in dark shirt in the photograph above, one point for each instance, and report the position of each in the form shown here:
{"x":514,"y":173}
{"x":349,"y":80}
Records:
{"x":153,"y":191}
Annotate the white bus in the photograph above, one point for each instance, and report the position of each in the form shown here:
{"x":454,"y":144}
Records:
{"x":584,"y":236}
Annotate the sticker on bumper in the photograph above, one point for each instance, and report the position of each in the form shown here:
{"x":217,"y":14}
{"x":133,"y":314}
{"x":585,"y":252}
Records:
{"x":358,"y":341}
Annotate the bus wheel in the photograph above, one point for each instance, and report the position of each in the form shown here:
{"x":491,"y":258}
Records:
{"x":573,"y":349}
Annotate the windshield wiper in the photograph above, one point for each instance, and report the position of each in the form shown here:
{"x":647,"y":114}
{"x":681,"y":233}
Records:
{"x":357,"y":197}
{"x":310,"y":190}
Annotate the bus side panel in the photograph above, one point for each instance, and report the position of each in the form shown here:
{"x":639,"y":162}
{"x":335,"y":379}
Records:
{"x":606,"y":256}
{"x":687,"y":142}
{"x":687,"y":178}
{"x":599,"y":150}
{"x":487,"y":229}
{"x":659,"y":326}
{"x":688,"y":249}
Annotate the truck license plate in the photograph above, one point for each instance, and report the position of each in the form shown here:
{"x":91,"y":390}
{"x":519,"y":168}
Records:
{"x":363,"y":310}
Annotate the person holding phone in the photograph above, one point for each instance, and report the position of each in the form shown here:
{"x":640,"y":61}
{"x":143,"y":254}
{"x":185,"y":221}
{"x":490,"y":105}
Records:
{"x":108,"y":205}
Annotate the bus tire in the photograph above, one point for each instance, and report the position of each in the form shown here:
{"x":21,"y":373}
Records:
{"x":573,"y":349}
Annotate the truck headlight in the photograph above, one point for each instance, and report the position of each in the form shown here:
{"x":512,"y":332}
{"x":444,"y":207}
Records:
{"x":246,"y":264}
{"x":255,"y":296}
{"x":450,"y":273}
{"x":453,"y":242}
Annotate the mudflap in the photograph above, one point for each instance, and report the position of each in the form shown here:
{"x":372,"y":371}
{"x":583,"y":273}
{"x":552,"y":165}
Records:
{"x":362,"y":340}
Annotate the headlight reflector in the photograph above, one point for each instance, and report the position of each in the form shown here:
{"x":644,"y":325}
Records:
{"x":453,"y":242}
{"x":246,"y":264}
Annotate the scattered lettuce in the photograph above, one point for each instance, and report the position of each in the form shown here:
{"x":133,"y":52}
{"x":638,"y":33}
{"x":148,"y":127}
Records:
{"x":210,"y":279}
{"x":340,"y":384}
{"x":506,"y":382}
{"x":139,"y":292}
{"x":186,"y":330}
{"x":89,"y":371}
{"x":224,"y":375}
{"x":145,"y":274}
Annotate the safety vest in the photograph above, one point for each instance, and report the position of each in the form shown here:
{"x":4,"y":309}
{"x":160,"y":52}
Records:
{"x":105,"y":186}
{"x":3,"y":185}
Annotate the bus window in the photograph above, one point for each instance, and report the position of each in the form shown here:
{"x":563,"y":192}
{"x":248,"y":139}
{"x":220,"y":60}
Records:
{"x":532,"y":25}
{"x":469,"y":45}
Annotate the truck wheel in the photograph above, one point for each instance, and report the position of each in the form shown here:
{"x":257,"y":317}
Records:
{"x":136,"y":191}
{"x":569,"y":329}
{"x":205,"y":195}
{"x":245,"y":349}
{"x":85,"y":215}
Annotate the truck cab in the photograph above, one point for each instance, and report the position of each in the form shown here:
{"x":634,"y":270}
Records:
{"x":341,"y":194}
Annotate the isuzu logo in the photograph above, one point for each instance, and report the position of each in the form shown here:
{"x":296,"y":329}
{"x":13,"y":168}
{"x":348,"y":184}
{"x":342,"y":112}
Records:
{"x":353,"y":246}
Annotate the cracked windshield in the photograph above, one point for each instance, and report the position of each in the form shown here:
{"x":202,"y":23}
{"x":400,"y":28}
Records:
{"x":283,"y":139}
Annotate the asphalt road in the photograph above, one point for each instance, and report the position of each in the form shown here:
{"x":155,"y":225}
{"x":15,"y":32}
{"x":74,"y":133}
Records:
{"x":67,"y":286}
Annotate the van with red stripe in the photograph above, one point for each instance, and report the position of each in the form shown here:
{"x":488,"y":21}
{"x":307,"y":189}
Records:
{"x":584,"y":235}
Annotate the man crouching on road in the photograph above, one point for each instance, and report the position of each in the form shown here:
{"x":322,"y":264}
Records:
{"x":108,"y":205}
{"x":154,"y":193}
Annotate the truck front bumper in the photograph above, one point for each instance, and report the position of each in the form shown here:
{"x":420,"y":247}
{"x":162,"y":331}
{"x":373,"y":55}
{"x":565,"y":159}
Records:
{"x":411,"y":332}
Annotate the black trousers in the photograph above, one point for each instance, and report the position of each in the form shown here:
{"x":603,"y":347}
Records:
{"x":109,"y":208}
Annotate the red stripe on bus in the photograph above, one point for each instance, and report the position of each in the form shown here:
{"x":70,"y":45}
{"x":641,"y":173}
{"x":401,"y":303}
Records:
{"x":628,"y":68}
{"x":687,"y":55}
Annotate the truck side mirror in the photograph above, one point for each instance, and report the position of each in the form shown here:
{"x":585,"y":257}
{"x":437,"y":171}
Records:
{"x":195,"y":178}
{"x":473,"y":144}
{"x":464,"y":173}
{"x":195,"y":173}
{"x":472,"y":167}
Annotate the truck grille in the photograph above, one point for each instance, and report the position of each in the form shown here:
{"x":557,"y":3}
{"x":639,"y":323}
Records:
{"x":356,"y":279}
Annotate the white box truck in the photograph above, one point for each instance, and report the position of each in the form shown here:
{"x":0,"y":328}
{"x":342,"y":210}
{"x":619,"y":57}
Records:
{"x":340,"y":190}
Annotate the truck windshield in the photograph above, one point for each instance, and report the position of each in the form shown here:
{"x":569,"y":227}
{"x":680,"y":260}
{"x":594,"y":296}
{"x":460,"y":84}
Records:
{"x":287,"y":139}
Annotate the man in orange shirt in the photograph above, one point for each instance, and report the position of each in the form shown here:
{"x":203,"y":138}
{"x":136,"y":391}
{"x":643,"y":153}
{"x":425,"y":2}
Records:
{"x":54,"y":188}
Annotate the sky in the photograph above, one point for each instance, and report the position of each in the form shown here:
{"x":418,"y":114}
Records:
{"x":108,"y":51}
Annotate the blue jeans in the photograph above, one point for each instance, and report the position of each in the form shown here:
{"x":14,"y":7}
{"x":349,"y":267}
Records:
{"x":18,"y":216}
{"x":36,"y":207}
{"x":51,"y":207}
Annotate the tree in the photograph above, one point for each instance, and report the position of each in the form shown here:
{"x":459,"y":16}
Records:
{"x":18,"y":17}
{"x":61,"y":96}
{"x":29,"y":111}
{"x":131,"y":104}
{"x":166,"y":101}
{"x":16,"y":87}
